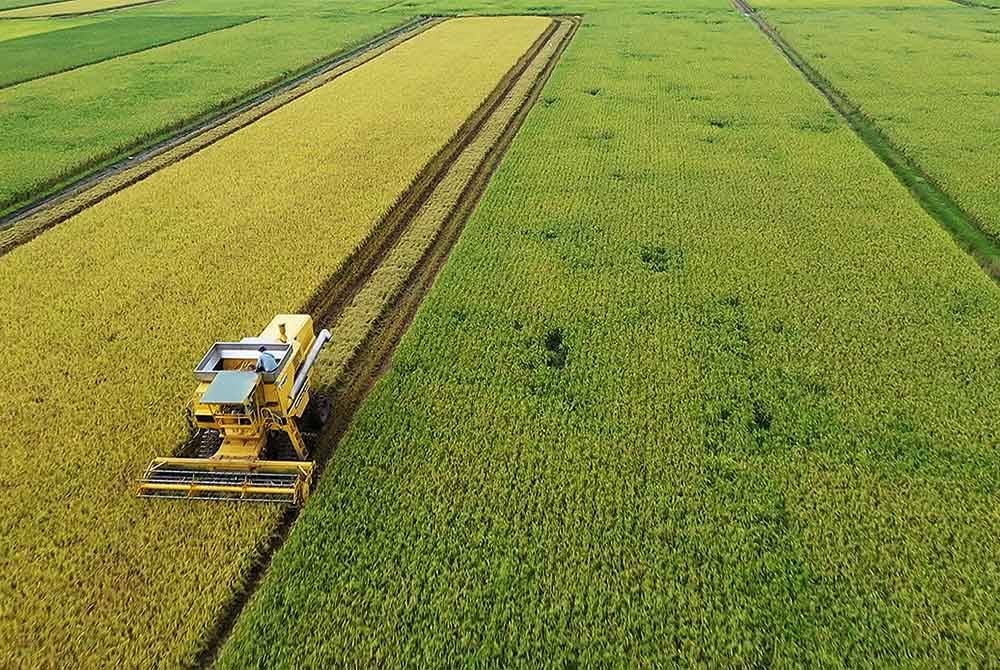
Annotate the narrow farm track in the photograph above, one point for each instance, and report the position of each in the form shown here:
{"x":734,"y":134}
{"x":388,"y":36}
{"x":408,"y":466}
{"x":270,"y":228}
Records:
{"x":28,"y":222}
{"x":507,"y":107}
{"x":967,"y":232}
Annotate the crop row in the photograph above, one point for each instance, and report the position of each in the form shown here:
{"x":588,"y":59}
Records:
{"x":700,"y":384}
{"x":928,"y":80}
{"x":123,"y":298}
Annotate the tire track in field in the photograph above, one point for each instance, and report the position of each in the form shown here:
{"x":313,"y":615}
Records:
{"x":26,"y":223}
{"x":938,"y":203}
{"x":372,"y":355}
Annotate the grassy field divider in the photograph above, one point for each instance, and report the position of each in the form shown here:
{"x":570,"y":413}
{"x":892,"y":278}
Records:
{"x":27,"y":223}
{"x":87,"y":176}
{"x":379,"y":304}
{"x":962,"y":225}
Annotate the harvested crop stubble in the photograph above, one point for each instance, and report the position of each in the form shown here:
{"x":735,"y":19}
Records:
{"x":927,"y":77}
{"x":700,"y":385}
{"x":110,"y":310}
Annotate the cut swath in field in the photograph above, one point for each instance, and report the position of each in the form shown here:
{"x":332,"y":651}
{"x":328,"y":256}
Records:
{"x":370,"y":308}
{"x":145,"y":278}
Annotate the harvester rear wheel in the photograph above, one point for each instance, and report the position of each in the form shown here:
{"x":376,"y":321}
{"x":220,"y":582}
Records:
{"x":317,"y":413}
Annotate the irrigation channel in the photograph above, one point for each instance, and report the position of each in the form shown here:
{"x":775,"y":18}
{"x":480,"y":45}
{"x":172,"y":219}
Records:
{"x":29,"y":221}
{"x":943,"y":208}
{"x":383,"y":283}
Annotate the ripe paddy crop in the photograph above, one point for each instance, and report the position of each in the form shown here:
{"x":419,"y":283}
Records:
{"x":134,"y":289}
{"x":927,"y":77}
{"x":700,"y":385}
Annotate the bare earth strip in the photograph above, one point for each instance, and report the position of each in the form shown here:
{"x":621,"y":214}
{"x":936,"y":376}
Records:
{"x":24,"y":225}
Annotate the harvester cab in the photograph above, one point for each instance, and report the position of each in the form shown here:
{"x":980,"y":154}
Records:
{"x":247,"y":414}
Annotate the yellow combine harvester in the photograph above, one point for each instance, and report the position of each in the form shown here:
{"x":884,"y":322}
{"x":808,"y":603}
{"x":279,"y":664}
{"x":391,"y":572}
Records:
{"x":246,"y":442}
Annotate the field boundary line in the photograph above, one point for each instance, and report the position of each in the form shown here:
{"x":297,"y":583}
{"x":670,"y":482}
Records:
{"x":964,"y":228}
{"x":30,"y":221}
{"x":244,"y":22}
{"x":373,"y":356}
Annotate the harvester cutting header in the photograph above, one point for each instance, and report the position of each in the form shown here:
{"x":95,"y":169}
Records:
{"x":246,"y":441}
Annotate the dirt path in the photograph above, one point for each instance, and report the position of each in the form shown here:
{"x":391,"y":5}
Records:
{"x":28,"y":222}
{"x":963,"y":226}
{"x":469,"y":160}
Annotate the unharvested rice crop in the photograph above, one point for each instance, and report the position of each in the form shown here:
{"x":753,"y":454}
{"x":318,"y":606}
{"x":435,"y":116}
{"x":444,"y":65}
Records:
{"x":133,"y":290}
{"x":701,"y":385}
{"x":927,"y":77}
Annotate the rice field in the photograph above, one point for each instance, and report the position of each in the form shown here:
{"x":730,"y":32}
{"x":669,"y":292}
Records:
{"x":642,"y":356}
{"x":12,"y":30}
{"x":132,"y":315}
{"x":929,"y":80}
{"x":654,"y":421}
{"x":55,"y":51}
{"x":66,"y":124}
{"x":68,"y":7}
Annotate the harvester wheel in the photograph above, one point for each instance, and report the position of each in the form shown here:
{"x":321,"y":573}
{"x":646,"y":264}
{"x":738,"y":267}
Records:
{"x":317,"y":413}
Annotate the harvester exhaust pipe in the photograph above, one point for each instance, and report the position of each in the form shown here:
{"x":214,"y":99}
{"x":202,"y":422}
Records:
{"x":300,"y":380}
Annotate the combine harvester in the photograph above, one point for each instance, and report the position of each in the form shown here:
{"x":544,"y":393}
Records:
{"x":246,"y":442}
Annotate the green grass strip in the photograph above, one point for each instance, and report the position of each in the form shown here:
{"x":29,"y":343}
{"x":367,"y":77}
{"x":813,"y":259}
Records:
{"x":962,"y":225}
